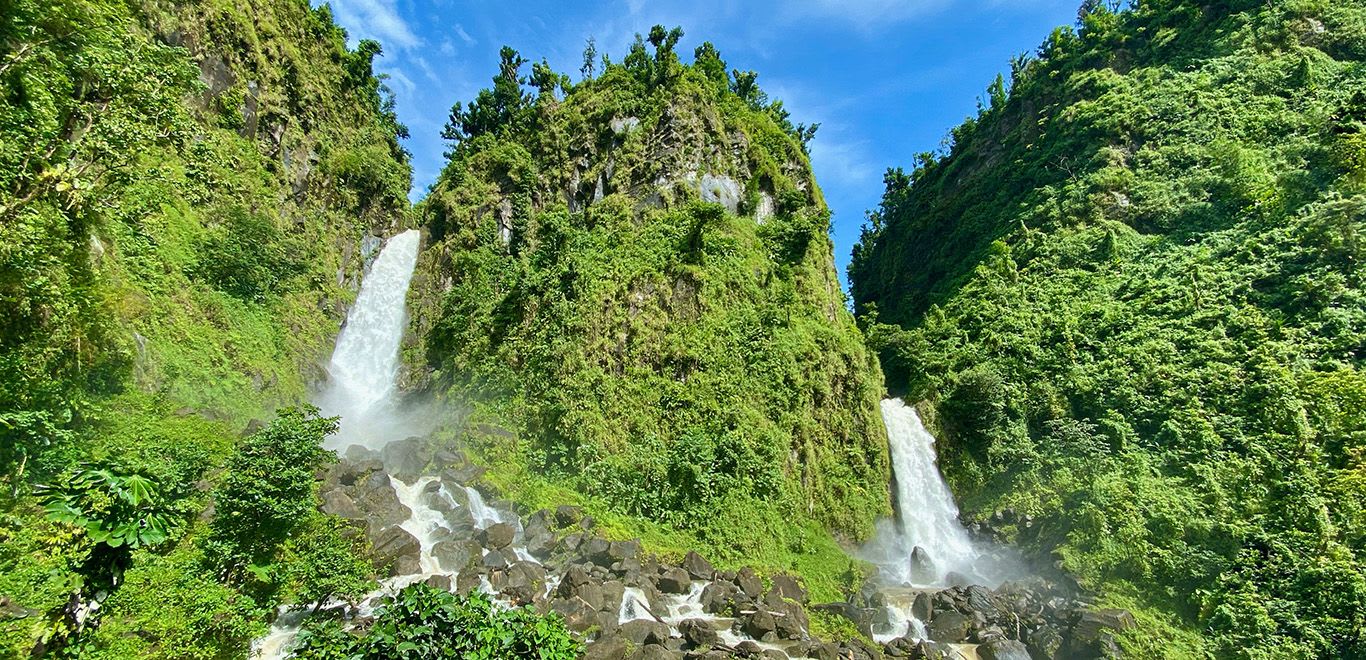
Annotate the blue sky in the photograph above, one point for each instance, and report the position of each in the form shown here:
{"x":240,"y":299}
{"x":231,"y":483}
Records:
{"x":886,"y":79}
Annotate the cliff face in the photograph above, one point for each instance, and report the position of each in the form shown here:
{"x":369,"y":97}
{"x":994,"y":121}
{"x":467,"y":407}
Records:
{"x":633,"y":273}
{"x":185,"y":189}
{"x":1134,"y":288}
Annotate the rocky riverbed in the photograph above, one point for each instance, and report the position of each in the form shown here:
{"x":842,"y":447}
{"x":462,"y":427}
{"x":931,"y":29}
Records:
{"x":428,"y":517}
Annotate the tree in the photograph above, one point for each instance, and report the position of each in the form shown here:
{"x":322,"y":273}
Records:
{"x":268,"y":489}
{"x":590,"y":58}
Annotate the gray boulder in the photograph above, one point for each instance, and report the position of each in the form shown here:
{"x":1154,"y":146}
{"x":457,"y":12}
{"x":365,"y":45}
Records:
{"x":1005,"y":649}
{"x":644,"y":631}
{"x":673,"y":580}
{"x":397,"y":550}
{"x":698,"y":567}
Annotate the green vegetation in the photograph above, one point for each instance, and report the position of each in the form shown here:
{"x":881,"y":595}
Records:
{"x":633,"y":273}
{"x":183,"y":192}
{"x":1134,"y":288}
{"x":426,"y":622}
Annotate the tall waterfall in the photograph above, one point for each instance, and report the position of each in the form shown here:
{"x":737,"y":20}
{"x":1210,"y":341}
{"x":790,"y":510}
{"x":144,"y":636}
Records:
{"x":925,"y":541}
{"x":363,"y":372}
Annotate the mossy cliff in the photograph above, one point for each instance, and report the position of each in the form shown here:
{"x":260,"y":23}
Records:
{"x":633,"y":273}
{"x":1134,"y":285}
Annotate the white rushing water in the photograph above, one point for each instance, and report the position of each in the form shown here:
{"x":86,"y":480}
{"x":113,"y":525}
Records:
{"x":363,"y":372}
{"x":926,"y":515}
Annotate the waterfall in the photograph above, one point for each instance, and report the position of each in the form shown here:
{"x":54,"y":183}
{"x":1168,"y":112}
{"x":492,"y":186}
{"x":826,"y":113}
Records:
{"x":363,"y":372}
{"x":925,"y":541}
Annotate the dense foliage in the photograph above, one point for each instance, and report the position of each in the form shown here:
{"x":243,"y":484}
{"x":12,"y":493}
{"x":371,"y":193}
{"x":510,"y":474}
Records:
{"x":1134,"y":288}
{"x":632,"y":271}
{"x":183,"y":192}
{"x":425,"y":622}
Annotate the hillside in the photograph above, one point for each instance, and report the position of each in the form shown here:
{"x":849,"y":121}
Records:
{"x":1133,"y":290}
{"x":631,"y":274}
{"x":188,"y":192}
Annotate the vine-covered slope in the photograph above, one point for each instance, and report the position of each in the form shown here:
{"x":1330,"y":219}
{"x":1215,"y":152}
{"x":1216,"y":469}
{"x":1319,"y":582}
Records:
{"x":1134,"y":286}
{"x":184,"y":188}
{"x":633,"y":272}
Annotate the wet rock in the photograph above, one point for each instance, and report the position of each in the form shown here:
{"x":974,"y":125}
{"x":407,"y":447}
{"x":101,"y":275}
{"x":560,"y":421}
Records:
{"x":466,"y":582}
{"x":655,"y":652}
{"x":494,"y":559}
{"x":498,"y":536}
{"x":791,"y":621}
{"x":405,"y":458}
{"x":698,"y":567}
{"x":454,"y":556}
{"x":397,"y":550}
{"x":858,"y":649}
{"x":673,"y":580}
{"x":521,"y":582}
{"x":786,"y":586}
{"x":698,"y":633}
{"x":578,"y":615}
{"x":442,"y":582}
{"x":577,"y":583}
{"x":375,"y":496}
{"x":644,"y":631}
{"x":1005,"y":649}
{"x":1045,"y":643}
{"x":956,"y":579}
{"x":717,"y":596}
{"x":825,"y":651}
{"x":748,"y":649}
{"x":541,"y":544}
{"x":594,"y":549}
{"x":749,"y":583}
{"x":611,"y":647}
{"x":612,"y":593}
{"x":338,"y":503}
{"x":922,"y":607}
{"x":761,"y":625}
{"x":922,"y":566}
{"x":950,"y":627}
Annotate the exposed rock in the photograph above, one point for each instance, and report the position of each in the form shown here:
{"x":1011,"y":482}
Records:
{"x":376,"y":497}
{"x":644,"y":631}
{"x":1005,"y":649}
{"x":950,"y":627}
{"x":655,"y":652}
{"x":786,"y":586}
{"x":396,"y":549}
{"x":454,"y":556}
{"x":922,"y":608}
{"x":697,"y":567}
{"x":442,"y":582}
{"x":749,"y":583}
{"x":338,"y":503}
{"x":578,"y":615}
{"x":717,"y":596}
{"x":611,"y":647}
{"x":673,"y":580}
{"x":698,"y":633}
{"x":497,"y":536}
{"x":494,"y":559}
{"x":1045,"y":643}
{"x":405,"y":458}
{"x":761,"y":625}
{"x":922,"y":566}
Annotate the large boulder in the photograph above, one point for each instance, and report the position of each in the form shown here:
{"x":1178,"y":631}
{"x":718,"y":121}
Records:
{"x":498,"y":536}
{"x":405,"y":458}
{"x":761,"y":625}
{"x":950,"y":627}
{"x":376,"y":497}
{"x":698,"y":567}
{"x":787,"y":587}
{"x":922,"y":566}
{"x":397,"y":550}
{"x":698,"y":633}
{"x":717,"y":597}
{"x":454,"y":556}
{"x":673,"y":580}
{"x":1005,"y":649}
{"x":644,"y":631}
{"x":749,"y":583}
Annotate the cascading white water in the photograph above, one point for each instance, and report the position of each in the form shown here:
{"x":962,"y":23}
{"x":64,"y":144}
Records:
{"x":363,"y":372}
{"x":926,"y":516}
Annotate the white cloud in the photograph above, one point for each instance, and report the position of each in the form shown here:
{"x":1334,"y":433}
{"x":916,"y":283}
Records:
{"x":376,"y":19}
{"x":844,"y":162}
{"x":464,"y":36}
{"x":447,"y":48}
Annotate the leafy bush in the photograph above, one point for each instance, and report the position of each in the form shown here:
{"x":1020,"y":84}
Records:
{"x":424,"y":622}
